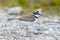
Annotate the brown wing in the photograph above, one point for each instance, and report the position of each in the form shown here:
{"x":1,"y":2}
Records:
{"x":27,"y":18}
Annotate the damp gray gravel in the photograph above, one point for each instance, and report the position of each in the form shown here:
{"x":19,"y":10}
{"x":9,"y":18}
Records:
{"x":48,"y":29}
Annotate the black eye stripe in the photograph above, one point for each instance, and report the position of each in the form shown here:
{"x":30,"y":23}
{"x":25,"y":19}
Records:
{"x":36,"y":13}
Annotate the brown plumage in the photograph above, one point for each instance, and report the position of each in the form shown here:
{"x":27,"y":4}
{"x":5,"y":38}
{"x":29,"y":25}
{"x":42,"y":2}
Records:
{"x":33,"y":17}
{"x":28,"y":17}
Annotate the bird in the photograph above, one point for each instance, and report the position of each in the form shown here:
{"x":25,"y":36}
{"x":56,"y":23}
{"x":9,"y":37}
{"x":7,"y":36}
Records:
{"x":29,"y":19}
{"x":33,"y":17}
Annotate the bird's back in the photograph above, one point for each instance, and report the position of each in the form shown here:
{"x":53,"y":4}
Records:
{"x":27,"y":18}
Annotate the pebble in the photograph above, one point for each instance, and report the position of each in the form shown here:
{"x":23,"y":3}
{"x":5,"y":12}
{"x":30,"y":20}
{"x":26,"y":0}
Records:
{"x":16,"y":30}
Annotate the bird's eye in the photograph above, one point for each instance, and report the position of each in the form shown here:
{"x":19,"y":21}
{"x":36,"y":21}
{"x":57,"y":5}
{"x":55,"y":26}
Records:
{"x":37,"y":11}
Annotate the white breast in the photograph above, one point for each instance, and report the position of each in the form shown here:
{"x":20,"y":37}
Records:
{"x":36,"y":20}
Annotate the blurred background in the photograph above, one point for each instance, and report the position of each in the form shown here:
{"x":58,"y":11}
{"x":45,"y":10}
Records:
{"x":49,"y":7}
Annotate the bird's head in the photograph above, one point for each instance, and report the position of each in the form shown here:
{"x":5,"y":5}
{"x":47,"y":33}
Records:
{"x":37,"y":13}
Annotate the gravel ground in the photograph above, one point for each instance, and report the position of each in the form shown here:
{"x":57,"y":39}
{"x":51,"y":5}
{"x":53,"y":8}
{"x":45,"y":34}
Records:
{"x":48,"y":29}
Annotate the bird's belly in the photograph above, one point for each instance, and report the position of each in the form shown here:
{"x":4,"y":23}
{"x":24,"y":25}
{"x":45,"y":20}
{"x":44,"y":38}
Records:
{"x":36,"y":20}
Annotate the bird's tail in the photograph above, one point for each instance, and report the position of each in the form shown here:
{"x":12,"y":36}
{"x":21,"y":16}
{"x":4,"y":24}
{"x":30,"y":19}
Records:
{"x":13,"y":19}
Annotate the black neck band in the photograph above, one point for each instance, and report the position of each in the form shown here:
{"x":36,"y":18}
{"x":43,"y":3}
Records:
{"x":35,"y":16}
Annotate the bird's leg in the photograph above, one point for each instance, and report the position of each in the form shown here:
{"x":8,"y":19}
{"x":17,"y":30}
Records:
{"x":27,"y":32}
{"x":38,"y":21}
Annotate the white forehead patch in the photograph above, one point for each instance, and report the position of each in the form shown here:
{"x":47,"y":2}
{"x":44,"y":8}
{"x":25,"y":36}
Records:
{"x":40,"y":10}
